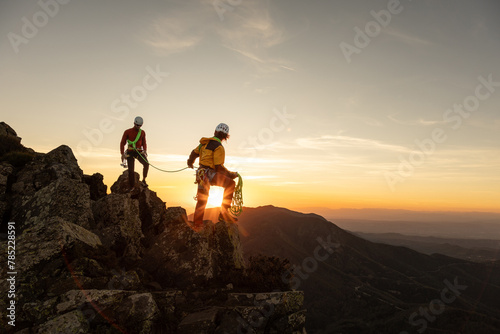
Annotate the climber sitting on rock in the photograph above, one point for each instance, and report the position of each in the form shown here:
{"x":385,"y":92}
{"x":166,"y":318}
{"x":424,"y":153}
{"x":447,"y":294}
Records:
{"x":212,"y":172}
{"x":135,"y":138}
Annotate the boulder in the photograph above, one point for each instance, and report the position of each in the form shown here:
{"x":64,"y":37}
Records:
{"x":289,"y":300}
{"x":6,"y":171}
{"x":43,"y":253}
{"x":279,"y":310}
{"x":180,"y":256}
{"x":203,"y":321}
{"x":44,"y":169}
{"x":6,"y":176}
{"x":121,"y":186}
{"x":44,"y":242}
{"x":6,"y":130}
{"x":153,"y":213}
{"x":96,"y":186}
{"x":4,"y":212}
{"x":65,"y":198}
{"x":124,"y":280}
{"x":138,"y":313}
{"x":117,"y":222}
{"x":226,"y":240}
{"x":167,"y":302}
{"x":290,"y":323}
{"x":176,"y":217}
{"x":61,"y":162}
{"x":232,"y":322}
{"x":38,"y":312}
{"x":100,"y":299}
{"x":72,"y":322}
{"x":130,"y":310}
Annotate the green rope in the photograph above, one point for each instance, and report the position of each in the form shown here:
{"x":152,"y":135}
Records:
{"x":237,"y":203}
{"x":161,"y":170}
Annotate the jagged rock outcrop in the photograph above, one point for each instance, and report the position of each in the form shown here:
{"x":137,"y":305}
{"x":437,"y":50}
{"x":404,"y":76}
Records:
{"x":6,"y":171}
{"x":96,"y":186}
{"x":278,"y":311}
{"x":45,"y":186}
{"x":117,"y":223}
{"x":6,"y":130}
{"x":52,"y":201}
{"x":121,"y":186}
{"x":179,"y":256}
{"x":92,"y":262}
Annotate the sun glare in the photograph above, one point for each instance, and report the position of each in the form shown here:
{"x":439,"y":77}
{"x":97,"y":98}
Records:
{"x":215,"y":196}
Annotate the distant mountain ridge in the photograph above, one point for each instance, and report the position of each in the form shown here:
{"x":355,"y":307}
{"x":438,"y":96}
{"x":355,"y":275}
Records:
{"x":478,"y":250}
{"x":404,"y":215}
{"x":364,"y":287}
{"x":456,"y":230}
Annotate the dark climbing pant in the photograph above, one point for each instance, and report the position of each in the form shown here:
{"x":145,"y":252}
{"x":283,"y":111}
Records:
{"x":219,"y":180}
{"x":131,"y":156}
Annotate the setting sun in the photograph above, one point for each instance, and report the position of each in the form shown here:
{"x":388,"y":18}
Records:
{"x":215,"y":196}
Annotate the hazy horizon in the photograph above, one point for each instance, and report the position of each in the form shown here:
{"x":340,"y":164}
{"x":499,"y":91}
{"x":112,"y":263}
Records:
{"x":399,"y":211}
{"x":389,"y":215}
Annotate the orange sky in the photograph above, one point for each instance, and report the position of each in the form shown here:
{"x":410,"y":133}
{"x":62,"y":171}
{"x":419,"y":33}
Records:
{"x":409,"y":119}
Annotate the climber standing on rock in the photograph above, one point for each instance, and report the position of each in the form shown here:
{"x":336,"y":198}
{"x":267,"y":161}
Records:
{"x":212,"y":172}
{"x":135,"y":138}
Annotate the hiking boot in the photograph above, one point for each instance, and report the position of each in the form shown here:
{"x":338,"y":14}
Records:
{"x":144,"y":184}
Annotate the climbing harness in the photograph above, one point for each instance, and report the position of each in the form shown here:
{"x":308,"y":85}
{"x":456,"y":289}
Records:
{"x":132,"y":143}
{"x":204,"y":175}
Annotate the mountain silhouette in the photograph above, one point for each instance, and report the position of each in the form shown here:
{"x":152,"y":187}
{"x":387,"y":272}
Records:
{"x":365,"y":287}
{"x":477,"y":250}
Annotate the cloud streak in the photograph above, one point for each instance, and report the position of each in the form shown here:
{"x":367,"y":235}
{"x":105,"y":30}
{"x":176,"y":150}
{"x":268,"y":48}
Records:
{"x":406,"y":38}
{"x":248,"y":30}
{"x":171,"y":35}
{"x":328,"y":142}
{"x":420,"y":121}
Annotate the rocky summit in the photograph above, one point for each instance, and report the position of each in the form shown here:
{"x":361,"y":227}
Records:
{"x":86,"y":261}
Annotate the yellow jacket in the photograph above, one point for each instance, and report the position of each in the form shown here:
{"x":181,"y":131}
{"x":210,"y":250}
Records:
{"x":210,"y":151}
{"x":212,"y":155}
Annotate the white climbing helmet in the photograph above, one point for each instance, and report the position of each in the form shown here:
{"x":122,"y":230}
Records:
{"x":222,"y":127}
{"x":138,"y":120}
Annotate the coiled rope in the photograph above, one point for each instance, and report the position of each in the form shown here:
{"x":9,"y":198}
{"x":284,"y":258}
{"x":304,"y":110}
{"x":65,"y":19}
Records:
{"x":237,"y":203}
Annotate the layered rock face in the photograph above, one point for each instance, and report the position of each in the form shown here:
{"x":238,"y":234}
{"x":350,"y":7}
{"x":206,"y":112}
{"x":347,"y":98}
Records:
{"x":92,"y":262}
